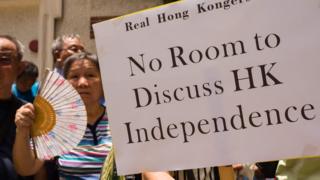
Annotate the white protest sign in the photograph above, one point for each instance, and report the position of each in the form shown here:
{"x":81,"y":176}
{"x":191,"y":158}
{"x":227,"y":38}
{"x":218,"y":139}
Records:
{"x":206,"y":83}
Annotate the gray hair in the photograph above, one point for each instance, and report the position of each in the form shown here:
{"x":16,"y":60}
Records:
{"x":57,"y":44}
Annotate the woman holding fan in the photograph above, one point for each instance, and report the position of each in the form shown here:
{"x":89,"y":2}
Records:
{"x":86,"y":160}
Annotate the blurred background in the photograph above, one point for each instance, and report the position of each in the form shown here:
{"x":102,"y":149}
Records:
{"x":36,"y":23}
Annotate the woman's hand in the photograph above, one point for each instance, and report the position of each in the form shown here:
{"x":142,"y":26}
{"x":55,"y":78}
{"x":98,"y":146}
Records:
{"x":23,"y":157}
{"x":24,"y":118}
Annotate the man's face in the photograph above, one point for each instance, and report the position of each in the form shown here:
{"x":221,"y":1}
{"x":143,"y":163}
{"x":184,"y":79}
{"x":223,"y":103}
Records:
{"x":70,"y":47}
{"x":9,"y":65}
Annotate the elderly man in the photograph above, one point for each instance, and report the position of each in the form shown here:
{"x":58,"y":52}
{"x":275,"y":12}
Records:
{"x":10,"y":66}
{"x":63,"y":47}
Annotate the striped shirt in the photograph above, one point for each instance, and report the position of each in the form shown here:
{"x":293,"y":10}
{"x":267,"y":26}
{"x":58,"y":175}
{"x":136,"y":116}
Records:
{"x":86,"y":160}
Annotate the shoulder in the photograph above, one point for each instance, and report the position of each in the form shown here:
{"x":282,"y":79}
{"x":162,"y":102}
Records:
{"x":103,"y":124}
{"x":18,"y":102}
{"x":35,"y":87}
{"x":14,"y":89}
{"x":103,"y":119}
{"x":105,"y":116}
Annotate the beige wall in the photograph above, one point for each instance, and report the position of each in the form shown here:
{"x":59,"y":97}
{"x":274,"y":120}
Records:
{"x":22,"y":23}
{"x":77,"y":13}
{"x":42,"y":20}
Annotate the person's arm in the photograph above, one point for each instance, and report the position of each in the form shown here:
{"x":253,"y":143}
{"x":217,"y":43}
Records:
{"x":156,"y":176}
{"x":23,"y":157}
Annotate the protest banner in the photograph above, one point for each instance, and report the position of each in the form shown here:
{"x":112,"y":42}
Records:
{"x":209,"y":83}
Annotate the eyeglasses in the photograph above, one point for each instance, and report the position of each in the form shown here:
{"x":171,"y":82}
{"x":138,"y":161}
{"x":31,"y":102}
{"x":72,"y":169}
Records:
{"x":75,"y":48}
{"x":7,"y":57}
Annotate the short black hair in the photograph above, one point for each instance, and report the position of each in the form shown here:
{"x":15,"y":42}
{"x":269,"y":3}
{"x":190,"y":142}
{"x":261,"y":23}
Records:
{"x":17,"y":43}
{"x":29,"y":70}
{"x":79,"y":56}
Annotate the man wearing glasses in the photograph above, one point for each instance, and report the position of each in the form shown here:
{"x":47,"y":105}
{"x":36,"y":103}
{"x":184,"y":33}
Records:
{"x":10,"y":65}
{"x":63,"y":47}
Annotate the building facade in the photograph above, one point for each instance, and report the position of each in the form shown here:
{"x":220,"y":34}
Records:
{"x":38,"y":22}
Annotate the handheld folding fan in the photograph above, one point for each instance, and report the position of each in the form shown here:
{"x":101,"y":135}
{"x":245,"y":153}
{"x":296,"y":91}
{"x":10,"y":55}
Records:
{"x":61,"y":117}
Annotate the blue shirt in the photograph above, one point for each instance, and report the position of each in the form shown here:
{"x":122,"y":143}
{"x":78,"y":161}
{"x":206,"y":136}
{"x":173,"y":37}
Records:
{"x":28,"y":95}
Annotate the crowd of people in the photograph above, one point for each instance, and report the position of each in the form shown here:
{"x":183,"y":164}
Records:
{"x":18,"y":88}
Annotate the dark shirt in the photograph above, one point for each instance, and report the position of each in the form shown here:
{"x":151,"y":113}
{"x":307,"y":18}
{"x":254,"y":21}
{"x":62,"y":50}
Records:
{"x":267,"y":169}
{"x":8,"y":109}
